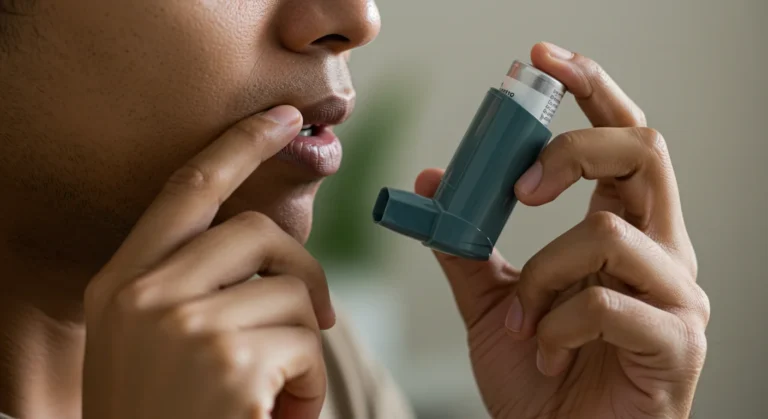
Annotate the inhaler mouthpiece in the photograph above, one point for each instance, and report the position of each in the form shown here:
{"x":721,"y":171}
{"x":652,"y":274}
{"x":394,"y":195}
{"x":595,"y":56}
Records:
{"x":476,"y":195}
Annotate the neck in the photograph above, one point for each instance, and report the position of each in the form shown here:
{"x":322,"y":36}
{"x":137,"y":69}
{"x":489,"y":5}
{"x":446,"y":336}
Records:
{"x":42,"y":335}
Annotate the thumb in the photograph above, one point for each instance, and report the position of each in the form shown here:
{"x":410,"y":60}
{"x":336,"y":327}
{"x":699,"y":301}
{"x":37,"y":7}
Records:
{"x":476,"y":285}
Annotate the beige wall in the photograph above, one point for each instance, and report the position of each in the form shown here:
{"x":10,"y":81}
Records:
{"x":697,"y":67}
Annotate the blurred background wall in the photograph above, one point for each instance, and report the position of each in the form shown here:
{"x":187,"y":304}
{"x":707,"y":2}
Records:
{"x":697,"y":69}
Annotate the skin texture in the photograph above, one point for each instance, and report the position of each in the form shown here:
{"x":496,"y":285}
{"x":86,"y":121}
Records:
{"x":143,"y":194}
{"x":107,"y":112}
{"x":155,"y":320}
{"x":607,"y":320}
{"x":102,"y":102}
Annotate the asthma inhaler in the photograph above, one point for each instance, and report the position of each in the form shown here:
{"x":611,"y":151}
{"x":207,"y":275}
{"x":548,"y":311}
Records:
{"x":476,"y":195}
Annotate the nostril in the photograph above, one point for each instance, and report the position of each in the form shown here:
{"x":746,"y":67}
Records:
{"x":331,"y":38}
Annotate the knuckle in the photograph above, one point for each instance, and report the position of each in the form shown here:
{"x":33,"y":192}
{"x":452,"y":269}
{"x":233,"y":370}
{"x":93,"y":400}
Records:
{"x":695,"y":344}
{"x":534,"y":269}
{"x":95,"y":294}
{"x":693,"y":262}
{"x":595,"y":72}
{"x":227,"y":353}
{"x":257,"y":398}
{"x":310,"y":341}
{"x":268,"y":376}
{"x":564,"y":152}
{"x":265,"y":383}
{"x":192,"y":178}
{"x":267,"y":379}
{"x":592,"y":73}
{"x":566,"y":144}
{"x":685,"y":340}
{"x":254,"y":220}
{"x":252,"y":129}
{"x":661,"y":397}
{"x":703,"y":305}
{"x":608,"y":225}
{"x":182,"y":320}
{"x":258,"y":408}
{"x":600,"y":301}
{"x":652,"y":140}
{"x":135,"y":297}
{"x":254,"y":132}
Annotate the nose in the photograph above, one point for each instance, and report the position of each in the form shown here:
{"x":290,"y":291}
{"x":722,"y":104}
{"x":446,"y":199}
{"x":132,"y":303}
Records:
{"x":334,"y":26}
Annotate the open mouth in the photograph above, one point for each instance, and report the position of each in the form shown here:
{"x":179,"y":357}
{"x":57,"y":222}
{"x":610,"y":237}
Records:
{"x":316,"y":148}
{"x":310,"y":130}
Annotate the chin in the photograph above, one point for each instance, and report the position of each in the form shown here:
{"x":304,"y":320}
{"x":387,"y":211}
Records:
{"x":289,"y":206}
{"x":294,"y":216}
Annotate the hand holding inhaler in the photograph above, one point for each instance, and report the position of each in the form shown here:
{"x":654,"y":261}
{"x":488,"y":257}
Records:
{"x":474,"y":200}
{"x":607,"y":320}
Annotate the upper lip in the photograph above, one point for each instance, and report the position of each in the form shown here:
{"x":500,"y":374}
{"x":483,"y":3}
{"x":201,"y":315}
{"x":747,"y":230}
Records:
{"x":332,"y":110}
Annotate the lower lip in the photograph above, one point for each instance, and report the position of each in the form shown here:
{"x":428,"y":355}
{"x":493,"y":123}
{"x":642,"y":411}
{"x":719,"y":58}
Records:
{"x":320,"y":153}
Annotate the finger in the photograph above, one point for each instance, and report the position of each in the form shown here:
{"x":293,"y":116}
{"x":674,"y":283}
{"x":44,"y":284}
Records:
{"x":601,"y":99}
{"x":234,"y":251}
{"x":471,"y":281}
{"x":261,"y":303}
{"x":289,"y":361}
{"x":636,"y":159}
{"x":657,"y":338}
{"x":192,"y":196}
{"x":603,"y":243}
{"x":428,"y":181}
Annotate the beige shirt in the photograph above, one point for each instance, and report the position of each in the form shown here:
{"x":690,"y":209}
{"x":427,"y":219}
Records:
{"x":358,"y":388}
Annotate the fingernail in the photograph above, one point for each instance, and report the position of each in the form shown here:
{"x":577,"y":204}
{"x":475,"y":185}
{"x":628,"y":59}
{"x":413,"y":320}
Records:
{"x":558,"y":52}
{"x":514,"y":321}
{"x":283,"y":115}
{"x":530,"y":179}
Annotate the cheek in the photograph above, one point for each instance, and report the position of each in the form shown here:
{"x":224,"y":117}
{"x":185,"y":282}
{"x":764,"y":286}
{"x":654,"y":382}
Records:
{"x":171,"y":63}
{"x":138,"y":87}
{"x":133,"y":89}
{"x":156,"y":71}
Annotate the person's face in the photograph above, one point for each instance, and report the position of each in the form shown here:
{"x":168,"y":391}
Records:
{"x":104,"y":99}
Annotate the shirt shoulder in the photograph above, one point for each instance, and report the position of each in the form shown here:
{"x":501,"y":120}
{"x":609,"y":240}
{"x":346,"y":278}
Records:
{"x":358,"y":387}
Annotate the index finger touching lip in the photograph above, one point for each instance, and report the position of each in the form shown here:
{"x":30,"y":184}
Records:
{"x":191,"y":198}
{"x":598,"y":95}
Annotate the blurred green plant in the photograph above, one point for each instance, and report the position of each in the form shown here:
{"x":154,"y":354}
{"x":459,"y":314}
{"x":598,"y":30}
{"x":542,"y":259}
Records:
{"x":343,"y":232}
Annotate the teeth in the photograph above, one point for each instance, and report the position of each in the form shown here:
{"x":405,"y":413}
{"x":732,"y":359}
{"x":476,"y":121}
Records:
{"x":306,"y":130}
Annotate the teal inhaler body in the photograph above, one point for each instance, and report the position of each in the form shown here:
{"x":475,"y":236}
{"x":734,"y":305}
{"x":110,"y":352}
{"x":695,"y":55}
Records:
{"x":476,"y":195}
